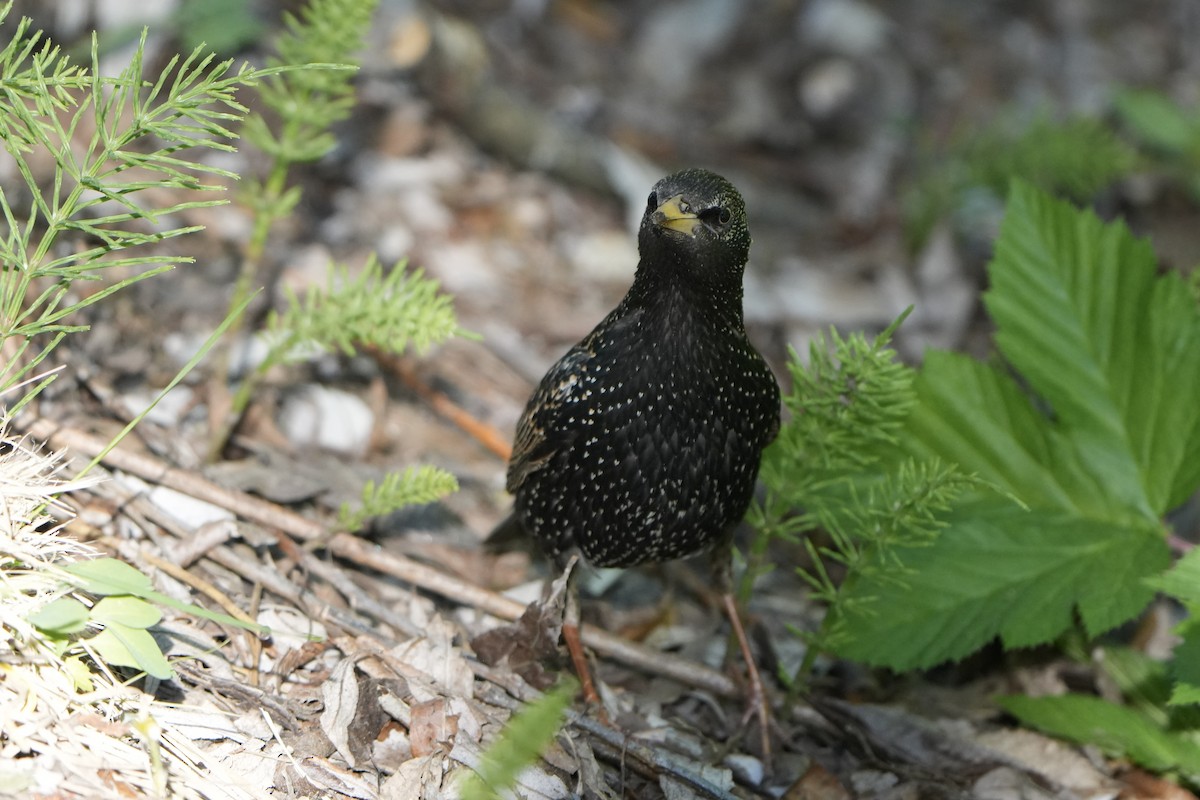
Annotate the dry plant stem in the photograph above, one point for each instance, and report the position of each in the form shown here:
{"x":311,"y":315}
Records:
{"x":273,"y":582}
{"x":346,"y":546}
{"x":357,"y":598}
{"x":202,"y":586}
{"x":491,"y":439}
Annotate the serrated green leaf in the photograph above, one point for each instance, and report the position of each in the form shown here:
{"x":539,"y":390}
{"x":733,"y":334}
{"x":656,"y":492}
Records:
{"x":123,"y":646}
{"x":130,"y":611}
{"x":1113,"y":348}
{"x":1105,"y":439}
{"x":1185,"y":664}
{"x":1185,"y":694}
{"x":999,"y":570}
{"x":105,"y":576}
{"x":977,"y":416}
{"x":1182,"y":580}
{"x":64,"y":616}
{"x":1115,"y":729}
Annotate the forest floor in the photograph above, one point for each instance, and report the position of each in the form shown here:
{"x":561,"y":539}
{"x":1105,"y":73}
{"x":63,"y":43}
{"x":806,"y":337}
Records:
{"x":506,"y":149}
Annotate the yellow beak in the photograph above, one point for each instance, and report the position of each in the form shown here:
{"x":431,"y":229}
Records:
{"x":675,"y":214}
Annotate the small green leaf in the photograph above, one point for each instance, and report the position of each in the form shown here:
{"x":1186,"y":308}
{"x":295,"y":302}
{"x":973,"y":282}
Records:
{"x":1159,"y":121}
{"x":1182,"y":581}
{"x":132,"y":612}
{"x":105,"y":576}
{"x":64,"y":616}
{"x":123,"y":646}
{"x":1185,"y":694}
{"x":80,"y":675}
{"x":1185,"y":662}
{"x":1117,"y":730}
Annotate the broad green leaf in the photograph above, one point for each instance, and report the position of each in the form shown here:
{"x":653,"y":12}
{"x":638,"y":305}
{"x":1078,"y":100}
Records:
{"x":1115,"y":729}
{"x":977,"y":416}
{"x":999,"y":570}
{"x":1113,"y":348}
{"x":105,"y":576}
{"x":1096,"y":433}
{"x":63,"y":616}
{"x":132,"y":612}
{"x":131,"y":647}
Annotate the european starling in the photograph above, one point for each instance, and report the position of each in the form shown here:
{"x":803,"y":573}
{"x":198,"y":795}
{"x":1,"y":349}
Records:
{"x":643,"y":442}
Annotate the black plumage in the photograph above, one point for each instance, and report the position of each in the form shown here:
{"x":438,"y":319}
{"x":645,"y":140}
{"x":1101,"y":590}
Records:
{"x":643,"y":442}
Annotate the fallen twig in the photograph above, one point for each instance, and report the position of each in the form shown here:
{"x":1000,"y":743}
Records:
{"x":485,"y":434}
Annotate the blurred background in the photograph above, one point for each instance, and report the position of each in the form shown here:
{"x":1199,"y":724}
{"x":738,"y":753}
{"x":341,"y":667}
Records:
{"x":506,"y":147}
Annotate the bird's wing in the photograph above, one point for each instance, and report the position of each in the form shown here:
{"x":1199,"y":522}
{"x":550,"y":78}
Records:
{"x":539,"y":435}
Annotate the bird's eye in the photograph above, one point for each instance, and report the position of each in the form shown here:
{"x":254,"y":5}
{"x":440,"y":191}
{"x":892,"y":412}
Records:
{"x":716,"y":217}
{"x":652,"y":201}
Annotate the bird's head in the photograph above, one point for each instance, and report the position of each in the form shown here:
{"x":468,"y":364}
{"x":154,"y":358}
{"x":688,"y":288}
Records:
{"x":695,"y":223}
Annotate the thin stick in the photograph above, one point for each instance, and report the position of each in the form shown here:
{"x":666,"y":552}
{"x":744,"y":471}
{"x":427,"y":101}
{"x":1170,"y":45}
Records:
{"x":480,"y":431}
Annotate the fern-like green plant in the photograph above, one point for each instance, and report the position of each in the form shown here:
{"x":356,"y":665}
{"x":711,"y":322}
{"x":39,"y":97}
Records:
{"x":519,"y":745}
{"x":1075,"y":157}
{"x":106,"y":162}
{"x":306,"y":104}
{"x":394,"y":311}
{"x":391,"y":311}
{"x":117,"y":147}
{"x":414,"y":486}
{"x":836,"y":459}
{"x":1167,"y":132}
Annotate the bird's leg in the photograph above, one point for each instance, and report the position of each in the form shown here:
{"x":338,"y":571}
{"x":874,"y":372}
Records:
{"x":570,"y":635}
{"x":757,"y":703}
